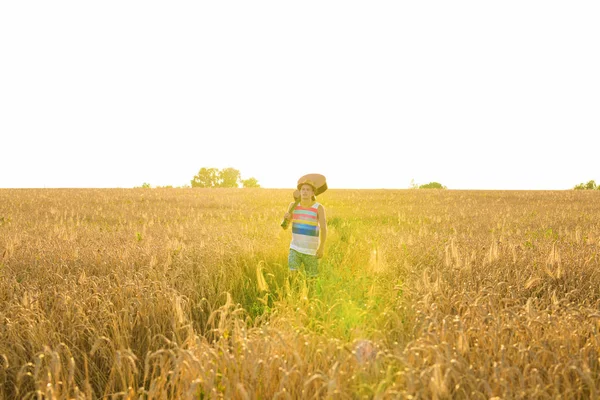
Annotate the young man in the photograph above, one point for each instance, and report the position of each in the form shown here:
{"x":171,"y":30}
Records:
{"x":308,"y":226}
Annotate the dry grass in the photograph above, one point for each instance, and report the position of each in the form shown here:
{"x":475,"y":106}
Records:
{"x":169,"y":293}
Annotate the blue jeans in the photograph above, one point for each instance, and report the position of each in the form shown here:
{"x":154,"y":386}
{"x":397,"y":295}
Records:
{"x":311,"y":263}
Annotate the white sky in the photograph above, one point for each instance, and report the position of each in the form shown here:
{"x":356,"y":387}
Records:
{"x":472,"y":94}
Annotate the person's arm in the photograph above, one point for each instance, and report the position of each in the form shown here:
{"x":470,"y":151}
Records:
{"x":322,"y":230}
{"x":288,"y":215}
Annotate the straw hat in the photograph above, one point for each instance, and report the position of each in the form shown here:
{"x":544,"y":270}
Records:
{"x":307,"y":182}
{"x":316,"y":181}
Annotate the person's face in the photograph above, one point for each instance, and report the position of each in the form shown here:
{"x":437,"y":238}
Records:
{"x":306,"y":191}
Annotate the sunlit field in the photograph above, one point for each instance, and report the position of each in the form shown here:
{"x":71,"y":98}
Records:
{"x":185,"y":294}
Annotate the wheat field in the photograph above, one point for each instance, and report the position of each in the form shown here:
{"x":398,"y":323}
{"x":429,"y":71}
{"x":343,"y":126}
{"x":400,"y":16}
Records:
{"x":185,"y":294}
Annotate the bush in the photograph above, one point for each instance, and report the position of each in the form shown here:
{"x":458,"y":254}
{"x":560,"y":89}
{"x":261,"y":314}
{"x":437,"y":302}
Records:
{"x":591,"y":185}
{"x":432,"y":185}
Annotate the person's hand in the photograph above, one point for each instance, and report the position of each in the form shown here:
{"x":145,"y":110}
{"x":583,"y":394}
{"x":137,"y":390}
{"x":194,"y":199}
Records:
{"x":287,"y":216}
{"x":320,"y":252}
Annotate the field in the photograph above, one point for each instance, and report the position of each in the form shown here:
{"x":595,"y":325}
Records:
{"x":185,"y":293}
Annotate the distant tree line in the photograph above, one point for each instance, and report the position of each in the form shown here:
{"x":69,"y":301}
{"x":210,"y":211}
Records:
{"x":146,"y":185}
{"x":214,"y":178}
{"x":223,"y":178}
{"x":591,"y":185}
{"x":430,"y":185}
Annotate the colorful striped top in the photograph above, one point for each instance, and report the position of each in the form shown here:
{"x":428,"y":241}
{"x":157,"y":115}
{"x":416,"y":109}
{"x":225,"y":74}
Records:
{"x":305,"y":229}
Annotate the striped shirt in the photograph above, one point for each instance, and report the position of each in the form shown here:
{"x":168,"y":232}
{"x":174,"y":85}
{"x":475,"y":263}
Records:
{"x":305,"y":229}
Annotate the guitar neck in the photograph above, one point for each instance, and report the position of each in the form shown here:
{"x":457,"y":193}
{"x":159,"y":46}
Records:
{"x":294,"y":206}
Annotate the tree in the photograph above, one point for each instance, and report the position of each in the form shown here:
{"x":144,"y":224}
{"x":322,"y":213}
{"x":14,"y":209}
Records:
{"x":250,"y":183}
{"x":229,"y":178}
{"x":591,"y":185}
{"x":224,"y":178}
{"x":432,"y":185}
{"x":207,"y":177}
